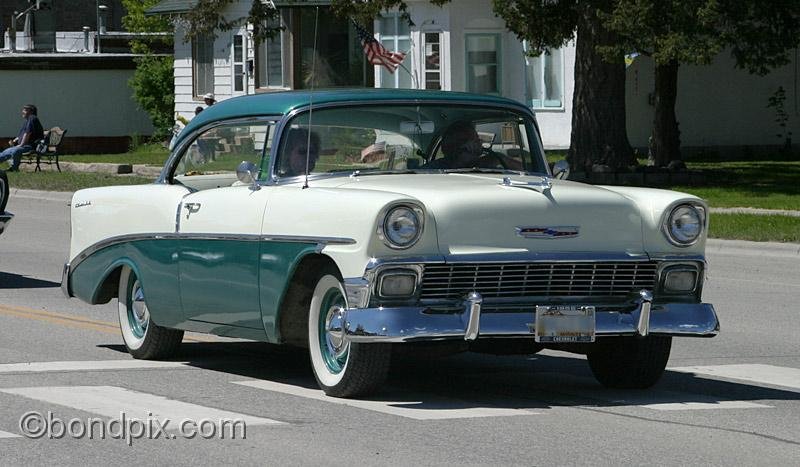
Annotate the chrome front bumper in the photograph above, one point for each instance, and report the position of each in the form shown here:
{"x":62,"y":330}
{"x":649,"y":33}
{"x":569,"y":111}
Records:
{"x":407,"y":324}
{"x":5,"y":219}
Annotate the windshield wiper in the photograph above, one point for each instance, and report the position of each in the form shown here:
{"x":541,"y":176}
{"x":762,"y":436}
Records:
{"x":361,"y":173}
{"x":483,"y":170}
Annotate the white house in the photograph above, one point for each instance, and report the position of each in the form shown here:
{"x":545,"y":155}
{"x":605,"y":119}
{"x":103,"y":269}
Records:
{"x":462,"y":46}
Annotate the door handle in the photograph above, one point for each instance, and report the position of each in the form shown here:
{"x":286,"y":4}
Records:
{"x":192,"y":208}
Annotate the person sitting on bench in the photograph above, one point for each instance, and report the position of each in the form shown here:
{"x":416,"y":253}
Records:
{"x":29,"y":134}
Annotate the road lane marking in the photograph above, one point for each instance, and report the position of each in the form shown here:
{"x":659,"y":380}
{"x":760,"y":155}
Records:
{"x":785,"y":377}
{"x":74,"y":321}
{"x":418,"y":408}
{"x":655,"y":399}
{"x":5,"y":434}
{"x":706,"y":405}
{"x":91,"y":365}
{"x":112,"y":401}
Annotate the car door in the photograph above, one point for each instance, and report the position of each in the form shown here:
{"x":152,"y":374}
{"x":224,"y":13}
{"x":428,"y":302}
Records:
{"x":219,"y":226}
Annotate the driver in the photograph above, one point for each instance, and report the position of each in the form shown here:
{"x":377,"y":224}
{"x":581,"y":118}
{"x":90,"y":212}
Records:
{"x":297,"y":150}
{"x":462,"y":149}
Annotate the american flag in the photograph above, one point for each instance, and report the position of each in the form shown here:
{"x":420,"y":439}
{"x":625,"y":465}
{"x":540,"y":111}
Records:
{"x":376,"y":52}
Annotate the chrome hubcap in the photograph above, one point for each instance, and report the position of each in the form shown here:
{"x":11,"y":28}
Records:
{"x":140,"y":315}
{"x":334,"y":327}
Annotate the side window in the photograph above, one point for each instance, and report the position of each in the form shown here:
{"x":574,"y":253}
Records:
{"x":210,"y":161}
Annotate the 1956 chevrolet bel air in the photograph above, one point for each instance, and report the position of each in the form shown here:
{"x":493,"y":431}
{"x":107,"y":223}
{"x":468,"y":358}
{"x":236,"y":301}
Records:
{"x":349,"y":222}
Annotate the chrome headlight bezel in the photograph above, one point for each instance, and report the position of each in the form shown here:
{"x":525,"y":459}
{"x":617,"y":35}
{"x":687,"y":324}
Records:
{"x":697,"y":209}
{"x":384,"y":232}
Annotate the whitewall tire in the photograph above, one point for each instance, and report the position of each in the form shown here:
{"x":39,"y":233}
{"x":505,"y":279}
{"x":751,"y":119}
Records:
{"x":342,"y":368}
{"x":143,"y":338}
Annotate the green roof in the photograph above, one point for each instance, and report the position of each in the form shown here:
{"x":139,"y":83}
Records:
{"x":166,"y":7}
{"x":281,"y":103}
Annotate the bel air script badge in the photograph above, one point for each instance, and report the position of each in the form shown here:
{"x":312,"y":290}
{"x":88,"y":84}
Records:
{"x":548,"y":232}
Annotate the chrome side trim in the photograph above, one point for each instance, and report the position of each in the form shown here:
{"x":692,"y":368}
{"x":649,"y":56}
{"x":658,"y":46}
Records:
{"x":308,"y":239}
{"x":111,"y":241}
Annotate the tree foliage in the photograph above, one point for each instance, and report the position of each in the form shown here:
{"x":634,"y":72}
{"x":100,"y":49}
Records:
{"x":152,"y":82}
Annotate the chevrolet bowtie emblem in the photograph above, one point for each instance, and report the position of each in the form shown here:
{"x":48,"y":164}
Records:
{"x":561,"y":231}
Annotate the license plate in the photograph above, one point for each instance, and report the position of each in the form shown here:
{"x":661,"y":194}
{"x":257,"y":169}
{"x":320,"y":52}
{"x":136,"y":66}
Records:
{"x":564,"y":323}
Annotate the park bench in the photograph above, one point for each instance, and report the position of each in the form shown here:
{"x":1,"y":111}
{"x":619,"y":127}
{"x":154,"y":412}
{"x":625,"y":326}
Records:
{"x":46,"y":149}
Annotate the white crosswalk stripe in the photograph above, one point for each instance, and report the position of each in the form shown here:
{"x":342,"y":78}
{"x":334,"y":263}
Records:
{"x":89,"y":365}
{"x":772,"y":375}
{"x":112,"y":401}
{"x":407,"y":405}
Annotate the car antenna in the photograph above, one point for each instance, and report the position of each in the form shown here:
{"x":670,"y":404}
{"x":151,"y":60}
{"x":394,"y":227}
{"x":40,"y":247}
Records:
{"x":311,"y":96}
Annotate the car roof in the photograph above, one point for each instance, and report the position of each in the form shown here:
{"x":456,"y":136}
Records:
{"x":281,"y":103}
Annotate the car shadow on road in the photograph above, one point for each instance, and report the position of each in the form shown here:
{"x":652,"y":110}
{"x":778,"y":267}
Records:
{"x":17,"y":281}
{"x":469,"y":380}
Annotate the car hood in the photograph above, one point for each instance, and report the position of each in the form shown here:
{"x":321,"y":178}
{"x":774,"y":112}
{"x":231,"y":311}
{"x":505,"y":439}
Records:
{"x":478,"y":213}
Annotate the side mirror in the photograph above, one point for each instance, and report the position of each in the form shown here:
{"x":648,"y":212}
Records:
{"x":246,"y":173}
{"x":561,"y":169}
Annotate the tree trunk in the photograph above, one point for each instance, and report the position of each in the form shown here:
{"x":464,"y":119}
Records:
{"x":666,"y":142}
{"x":599,"y":135}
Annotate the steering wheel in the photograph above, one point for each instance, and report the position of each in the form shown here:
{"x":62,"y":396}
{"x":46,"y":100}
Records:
{"x":487,"y":153}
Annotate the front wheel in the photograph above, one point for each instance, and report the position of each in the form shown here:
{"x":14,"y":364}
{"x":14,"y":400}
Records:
{"x":342,"y":368}
{"x":629,"y":362}
{"x":143,"y":338}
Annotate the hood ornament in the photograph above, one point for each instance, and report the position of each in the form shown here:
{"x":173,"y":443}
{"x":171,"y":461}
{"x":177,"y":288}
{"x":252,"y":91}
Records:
{"x":545,"y":184}
{"x":548,"y":232}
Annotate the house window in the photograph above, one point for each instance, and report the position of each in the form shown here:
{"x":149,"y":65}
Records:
{"x":545,"y":80}
{"x":270,"y":62}
{"x":431,"y":65}
{"x":483,"y":63}
{"x":395,"y":34}
{"x":238,"y":63}
{"x":203,"y":65}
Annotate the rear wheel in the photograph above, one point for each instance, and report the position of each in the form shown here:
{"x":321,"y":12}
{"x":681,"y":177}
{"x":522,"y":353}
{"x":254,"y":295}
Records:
{"x":629,"y":362}
{"x":342,"y":368}
{"x":143,"y":338}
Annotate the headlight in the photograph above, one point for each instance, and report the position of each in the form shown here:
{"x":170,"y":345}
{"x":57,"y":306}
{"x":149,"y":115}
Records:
{"x":685,"y":224}
{"x":401,"y":227}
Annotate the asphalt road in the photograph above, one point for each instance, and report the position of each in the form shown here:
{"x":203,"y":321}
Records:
{"x":733,"y":399}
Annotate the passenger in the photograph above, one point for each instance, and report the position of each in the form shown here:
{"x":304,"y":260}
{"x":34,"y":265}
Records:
{"x":296,"y":150}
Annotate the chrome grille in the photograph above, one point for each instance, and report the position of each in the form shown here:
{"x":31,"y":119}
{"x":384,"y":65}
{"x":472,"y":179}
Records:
{"x":589,"y":279}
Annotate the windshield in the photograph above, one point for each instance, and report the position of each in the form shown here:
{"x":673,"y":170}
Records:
{"x":404,"y":138}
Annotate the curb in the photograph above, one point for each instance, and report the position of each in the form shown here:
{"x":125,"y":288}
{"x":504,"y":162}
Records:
{"x":746,"y":248}
{"x":756,"y":211}
{"x":65,"y":196}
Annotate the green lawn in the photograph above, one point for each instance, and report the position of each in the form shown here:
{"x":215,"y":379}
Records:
{"x":150,"y":154}
{"x":756,"y":184}
{"x":69,"y":181}
{"x":755,"y":228}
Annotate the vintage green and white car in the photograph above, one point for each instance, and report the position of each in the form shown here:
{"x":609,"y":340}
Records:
{"x":352,"y":221}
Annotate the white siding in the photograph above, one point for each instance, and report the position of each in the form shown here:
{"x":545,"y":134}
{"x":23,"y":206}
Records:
{"x":718,"y":105}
